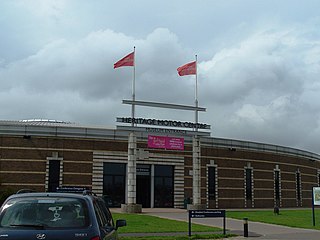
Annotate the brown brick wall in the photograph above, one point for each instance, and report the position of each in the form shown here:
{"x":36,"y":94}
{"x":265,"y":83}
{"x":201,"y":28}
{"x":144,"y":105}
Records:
{"x":23,"y":161}
{"x":265,"y":193}
{"x":15,"y":165}
{"x":262,"y":174}
{"x":77,"y":155}
{"x":73,"y":167}
{"x":76,"y":179}
{"x":231,"y":181}
{"x":263,"y":203}
{"x":264,"y":183}
{"x":23,"y":178}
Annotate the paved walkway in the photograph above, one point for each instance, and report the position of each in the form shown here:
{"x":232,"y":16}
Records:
{"x":257,"y":231}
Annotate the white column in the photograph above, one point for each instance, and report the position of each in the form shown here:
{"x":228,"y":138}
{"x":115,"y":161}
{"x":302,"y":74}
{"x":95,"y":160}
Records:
{"x":132,"y":153}
{"x":196,"y":186}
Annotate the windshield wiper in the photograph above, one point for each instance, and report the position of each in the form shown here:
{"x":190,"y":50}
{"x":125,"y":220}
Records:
{"x":40,"y":226}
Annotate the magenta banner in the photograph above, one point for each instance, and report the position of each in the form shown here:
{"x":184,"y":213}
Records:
{"x":173,"y":143}
{"x":156,"y":142}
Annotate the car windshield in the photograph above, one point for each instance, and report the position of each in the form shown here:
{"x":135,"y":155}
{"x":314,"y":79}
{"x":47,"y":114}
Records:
{"x":44,"y":212}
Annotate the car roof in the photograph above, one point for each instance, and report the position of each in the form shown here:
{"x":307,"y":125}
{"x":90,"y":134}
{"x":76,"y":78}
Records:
{"x":51,"y":194}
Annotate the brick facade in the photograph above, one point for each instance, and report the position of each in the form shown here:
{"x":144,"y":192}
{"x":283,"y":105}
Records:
{"x":24,"y":164}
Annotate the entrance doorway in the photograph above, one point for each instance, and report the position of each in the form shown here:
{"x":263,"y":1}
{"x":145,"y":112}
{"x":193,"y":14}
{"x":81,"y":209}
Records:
{"x":144,"y":185}
{"x":163,"y":186}
{"x":114,"y":183}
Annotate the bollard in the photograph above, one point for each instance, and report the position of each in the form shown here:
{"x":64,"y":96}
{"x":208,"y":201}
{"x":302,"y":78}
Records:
{"x":245,"y":227}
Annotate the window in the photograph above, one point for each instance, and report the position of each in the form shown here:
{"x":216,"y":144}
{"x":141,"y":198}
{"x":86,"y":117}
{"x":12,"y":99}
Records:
{"x":99,"y":214}
{"x":49,"y":212}
{"x":212,"y":183}
{"x":298,"y":185}
{"x":106,"y":213}
{"x":277,"y":184}
{"x":163,"y":186}
{"x":114,"y":182}
{"x":54,"y":175}
{"x":248,"y":183}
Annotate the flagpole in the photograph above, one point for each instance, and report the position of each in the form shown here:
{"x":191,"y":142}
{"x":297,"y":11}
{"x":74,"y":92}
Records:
{"x":196,"y":95}
{"x":133,"y":86}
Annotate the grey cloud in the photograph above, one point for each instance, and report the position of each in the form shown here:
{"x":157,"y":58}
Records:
{"x":258,"y":79}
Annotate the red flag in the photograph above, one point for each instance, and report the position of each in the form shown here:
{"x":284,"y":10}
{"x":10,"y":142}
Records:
{"x":126,"y":61}
{"x":188,"y":69}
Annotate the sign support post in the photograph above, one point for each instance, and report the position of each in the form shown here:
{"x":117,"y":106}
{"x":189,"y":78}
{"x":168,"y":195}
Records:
{"x":313,"y":215}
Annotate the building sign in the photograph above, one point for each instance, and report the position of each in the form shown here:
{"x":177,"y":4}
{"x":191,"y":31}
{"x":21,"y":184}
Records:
{"x":143,"y":170}
{"x":166,"y":131}
{"x":175,"y":143}
{"x":172,"y":143}
{"x":163,"y":123}
{"x":156,"y":142}
{"x":316,"y":196}
{"x":315,"y":202}
{"x":207,"y":214}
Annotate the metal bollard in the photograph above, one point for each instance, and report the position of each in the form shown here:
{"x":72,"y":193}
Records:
{"x":245,"y":227}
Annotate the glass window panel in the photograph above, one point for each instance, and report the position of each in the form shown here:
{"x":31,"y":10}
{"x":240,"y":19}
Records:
{"x":50,"y":212}
{"x":277,"y":184}
{"x":249,"y":184}
{"x":114,"y":168}
{"x":212,"y":183}
{"x":114,"y":179}
{"x":163,"y":171}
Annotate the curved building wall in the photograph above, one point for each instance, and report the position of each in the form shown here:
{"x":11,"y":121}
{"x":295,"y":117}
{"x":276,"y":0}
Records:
{"x":234,"y":174}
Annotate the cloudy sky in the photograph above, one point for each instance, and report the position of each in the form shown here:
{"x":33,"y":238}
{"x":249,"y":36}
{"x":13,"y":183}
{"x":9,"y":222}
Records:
{"x":258,"y":63}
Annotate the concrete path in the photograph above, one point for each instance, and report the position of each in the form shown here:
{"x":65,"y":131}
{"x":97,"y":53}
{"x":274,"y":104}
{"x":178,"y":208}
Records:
{"x":257,"y":231}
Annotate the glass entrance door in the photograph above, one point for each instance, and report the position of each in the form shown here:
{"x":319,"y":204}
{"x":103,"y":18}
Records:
{"x":143,"y":185}
{"x":163,"y":186}
{"x":114,"y":183}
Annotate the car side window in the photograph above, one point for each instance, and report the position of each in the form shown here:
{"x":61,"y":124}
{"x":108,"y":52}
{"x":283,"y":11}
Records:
{"x":98,"y":214}
{"x":106,"y":212}
{"x":103,"y":221}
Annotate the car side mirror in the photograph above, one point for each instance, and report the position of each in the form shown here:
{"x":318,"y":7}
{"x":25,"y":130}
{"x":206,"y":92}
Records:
{"x":121,"y":223}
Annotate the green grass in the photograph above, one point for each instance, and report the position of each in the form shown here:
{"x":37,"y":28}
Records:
{"x":292,"y":218}
{"x":140,"y":223}
{"x":208,"y":236}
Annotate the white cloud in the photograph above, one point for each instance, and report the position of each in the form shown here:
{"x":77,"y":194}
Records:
{"x":43,"y":8}
{"x":259,"y":83}
{"x":265,"y":87}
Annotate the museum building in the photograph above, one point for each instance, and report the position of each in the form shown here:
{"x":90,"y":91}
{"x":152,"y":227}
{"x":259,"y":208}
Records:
{"x":44,"y":155}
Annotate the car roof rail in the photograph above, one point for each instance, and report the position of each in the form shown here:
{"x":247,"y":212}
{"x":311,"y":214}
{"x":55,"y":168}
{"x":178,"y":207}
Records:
{"x":70,"y":189}
{"x":25,"y":190}
{"x":89,"y":192}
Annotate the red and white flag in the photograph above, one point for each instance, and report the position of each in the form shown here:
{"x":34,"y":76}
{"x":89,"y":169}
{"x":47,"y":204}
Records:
{"x":126,"y":61}
{"x":188,"y":69}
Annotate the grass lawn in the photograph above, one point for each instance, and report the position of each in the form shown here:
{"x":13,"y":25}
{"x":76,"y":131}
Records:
{"x":292,"y":218}
{"x":216,"y":236}
{"x":141,"y":223}
{"x":138,"y":223}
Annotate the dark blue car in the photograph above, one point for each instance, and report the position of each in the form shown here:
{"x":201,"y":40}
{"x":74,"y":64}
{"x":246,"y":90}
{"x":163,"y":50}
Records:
{"x":55,"y":216}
